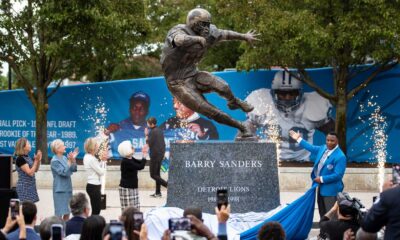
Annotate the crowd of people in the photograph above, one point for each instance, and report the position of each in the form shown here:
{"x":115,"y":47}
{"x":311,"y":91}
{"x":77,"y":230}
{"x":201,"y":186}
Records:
{"x":340,"y":218}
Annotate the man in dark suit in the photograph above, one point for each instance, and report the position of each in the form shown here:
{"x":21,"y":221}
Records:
{"x":80,"y":210}
{"x":385,"y":212}
{"x":156,"y":142}
{"x":328,"y":170}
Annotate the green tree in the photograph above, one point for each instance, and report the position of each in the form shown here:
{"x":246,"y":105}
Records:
{"x":315,"y":33}
{"x":3,"y":82}
{"x":50,"y":40}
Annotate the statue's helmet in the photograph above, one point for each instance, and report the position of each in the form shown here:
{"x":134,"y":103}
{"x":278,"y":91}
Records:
{"x":287,"y":91}
{"x":199,"y":21}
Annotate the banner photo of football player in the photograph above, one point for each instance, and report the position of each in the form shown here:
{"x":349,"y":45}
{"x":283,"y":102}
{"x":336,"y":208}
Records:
{"x":284,"y":107}
{"x":118,"y":110}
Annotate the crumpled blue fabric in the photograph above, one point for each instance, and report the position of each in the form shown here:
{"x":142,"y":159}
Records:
{"x":296,"y":218}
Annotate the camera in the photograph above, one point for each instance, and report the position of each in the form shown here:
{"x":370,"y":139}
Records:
{"x":350,"y":206}
{"x":14,"y":205}
{"x":222,"y":198}
{"x":137,"y":220}
{"x":396,"y":173}
{"x":57,"y":232}
{"x":115,"y":230}
{"x":179,"y":224}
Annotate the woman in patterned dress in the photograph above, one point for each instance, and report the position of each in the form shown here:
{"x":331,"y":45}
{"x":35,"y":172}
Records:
{"x":62,"y":168}
{"x":26,"y":168}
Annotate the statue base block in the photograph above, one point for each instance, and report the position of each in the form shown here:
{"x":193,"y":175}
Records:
{"x":248,"y":170}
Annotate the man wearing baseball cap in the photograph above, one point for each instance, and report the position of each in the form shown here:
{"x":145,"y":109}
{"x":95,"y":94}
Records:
{"x":131,"y":128}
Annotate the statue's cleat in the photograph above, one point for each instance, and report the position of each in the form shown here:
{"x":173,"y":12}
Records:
{"x":246,"y":131}
{"x":237,"y":103}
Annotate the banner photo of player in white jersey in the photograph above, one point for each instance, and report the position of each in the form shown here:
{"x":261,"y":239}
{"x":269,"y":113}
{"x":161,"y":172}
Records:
{"x":284,"y":107}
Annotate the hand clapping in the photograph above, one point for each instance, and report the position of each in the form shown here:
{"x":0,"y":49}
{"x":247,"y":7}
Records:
{"x":72,"y":155}
{"x":38,"y":156}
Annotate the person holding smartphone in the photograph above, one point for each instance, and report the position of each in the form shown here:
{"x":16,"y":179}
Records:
{"x":26,"y":168}
{"x":132,"y":220}
{"x":128,"y":186}
{"x":51,"y":228}
{"x":62,"y":168}
{"x":29,"y":212}
{"x":10,"y":222}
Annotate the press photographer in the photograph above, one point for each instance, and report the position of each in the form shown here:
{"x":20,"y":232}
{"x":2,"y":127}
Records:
{"x":346,"y":213}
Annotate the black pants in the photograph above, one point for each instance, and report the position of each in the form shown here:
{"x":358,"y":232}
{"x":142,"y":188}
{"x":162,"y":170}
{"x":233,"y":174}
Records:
{"x":325,"y":203}
{"x":94,"y":192}
{"x":155,"y":166}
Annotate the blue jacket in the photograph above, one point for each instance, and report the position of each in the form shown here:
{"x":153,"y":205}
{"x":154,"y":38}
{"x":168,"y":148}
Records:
{"x":62,"y":174}
{"x":30,"y":235}
{"x":333,"y":170}
{"x":74,"y":225}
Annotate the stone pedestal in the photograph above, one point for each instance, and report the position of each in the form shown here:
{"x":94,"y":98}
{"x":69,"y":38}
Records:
{"x":247,"y":169}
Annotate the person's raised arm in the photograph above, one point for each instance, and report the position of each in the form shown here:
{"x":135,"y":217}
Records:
{"x":25,"y":167}
{"x":9,"y":224}
{"x":94,"y":164}
{"x":21,"y":224}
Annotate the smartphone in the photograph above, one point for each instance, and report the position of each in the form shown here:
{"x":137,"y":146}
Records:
{"x":57,"y":232}
{"x":222,"y":198}
{"x":179,"y":224}
{"x":14,"y":205}
{"x":137,"y":220}
{"x":116,"y":230}
{"x":396,"y":173}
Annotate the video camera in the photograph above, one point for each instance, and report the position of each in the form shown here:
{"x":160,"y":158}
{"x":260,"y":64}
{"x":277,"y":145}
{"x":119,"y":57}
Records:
{"x":350,"y":206}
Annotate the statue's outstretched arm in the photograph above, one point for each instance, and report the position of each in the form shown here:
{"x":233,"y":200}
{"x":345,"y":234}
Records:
{"x":250,"y":36}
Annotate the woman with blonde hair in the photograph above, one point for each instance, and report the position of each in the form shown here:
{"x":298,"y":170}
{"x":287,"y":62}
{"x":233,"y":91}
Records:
{"x":62,"y":168}
{"x":26,"y":168}
{"x":94,"y":171}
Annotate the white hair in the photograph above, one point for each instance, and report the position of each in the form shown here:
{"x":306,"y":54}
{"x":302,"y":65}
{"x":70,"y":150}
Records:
{"x":56,"y":144}
{"x":125,"y":149}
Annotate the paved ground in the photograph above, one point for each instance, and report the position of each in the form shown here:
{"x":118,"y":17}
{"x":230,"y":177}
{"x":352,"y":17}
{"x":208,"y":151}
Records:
{"x":45,"y":205}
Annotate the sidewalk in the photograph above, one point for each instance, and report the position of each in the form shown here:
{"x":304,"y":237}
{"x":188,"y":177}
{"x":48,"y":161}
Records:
{"x":113,"y":211}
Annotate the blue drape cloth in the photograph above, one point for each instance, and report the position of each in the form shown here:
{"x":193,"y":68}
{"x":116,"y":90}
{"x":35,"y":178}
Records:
{"x":296,"y":218}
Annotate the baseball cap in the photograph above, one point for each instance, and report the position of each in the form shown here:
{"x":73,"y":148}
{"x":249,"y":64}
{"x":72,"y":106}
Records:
{"x":140,"y":96}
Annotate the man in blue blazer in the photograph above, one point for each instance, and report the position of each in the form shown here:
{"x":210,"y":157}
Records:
{"x":328,"y":170}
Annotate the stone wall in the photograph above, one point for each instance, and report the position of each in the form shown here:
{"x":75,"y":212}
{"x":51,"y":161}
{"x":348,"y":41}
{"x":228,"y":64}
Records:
{"x":290,"y":178}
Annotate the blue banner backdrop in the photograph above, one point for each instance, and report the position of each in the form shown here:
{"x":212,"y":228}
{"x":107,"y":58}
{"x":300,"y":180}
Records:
{"x":81,"y":111}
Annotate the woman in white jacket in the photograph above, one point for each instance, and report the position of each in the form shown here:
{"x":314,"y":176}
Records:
{"x":94,"y":170}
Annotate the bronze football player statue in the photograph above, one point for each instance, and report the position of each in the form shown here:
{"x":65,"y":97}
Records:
{"x":184,"y":47}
